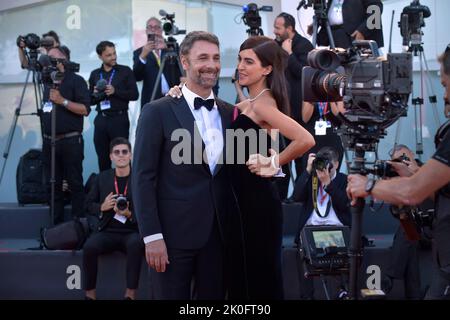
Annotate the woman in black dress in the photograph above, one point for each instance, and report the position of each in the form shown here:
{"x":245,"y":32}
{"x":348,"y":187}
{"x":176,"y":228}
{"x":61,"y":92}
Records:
{"x":256,"y":232}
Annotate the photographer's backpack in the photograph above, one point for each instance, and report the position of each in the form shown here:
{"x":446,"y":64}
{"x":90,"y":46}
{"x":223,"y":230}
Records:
{"x":30,"y":179}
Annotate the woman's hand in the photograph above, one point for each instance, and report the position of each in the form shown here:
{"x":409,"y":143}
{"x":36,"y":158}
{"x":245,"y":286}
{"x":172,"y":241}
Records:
{"x":175,"y":92}
{"x":265,"y":167}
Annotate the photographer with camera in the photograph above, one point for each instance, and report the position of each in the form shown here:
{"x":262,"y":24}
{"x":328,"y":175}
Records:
{"x":403,"y":258}
{"x":112,"y":87}
{"x":110,"y":199}
{"x":348,"y":20}
{"x":49,"y":40}
{"x":321,"y":188}
{"x":66,"y":94}
{"x":431,"y":179}
{"x":147,"y":61}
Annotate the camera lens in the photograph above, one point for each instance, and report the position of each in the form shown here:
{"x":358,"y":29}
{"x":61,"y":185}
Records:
{"x":122,"y":203}
{"x":323,"y":59}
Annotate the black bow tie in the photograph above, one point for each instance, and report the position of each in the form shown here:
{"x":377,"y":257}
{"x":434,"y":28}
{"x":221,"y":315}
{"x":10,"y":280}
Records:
{"x":199,"y":102}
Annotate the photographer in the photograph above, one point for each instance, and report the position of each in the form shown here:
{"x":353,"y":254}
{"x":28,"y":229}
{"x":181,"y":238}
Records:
{"x":403,"y":258}
{"x":110,"y":201}
{"x":50,"y":38}
{"x":325,"y":203}
{"x":349,"y":21}
{"x":147,"y":61}
{"x":112,"y":87}
{"x":71,"y":102}
{"x":431,"y":179}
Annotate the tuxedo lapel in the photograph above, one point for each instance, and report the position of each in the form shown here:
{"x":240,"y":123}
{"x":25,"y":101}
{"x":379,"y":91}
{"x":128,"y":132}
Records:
{"x":187,"y":121}
{"x":225,"y":117}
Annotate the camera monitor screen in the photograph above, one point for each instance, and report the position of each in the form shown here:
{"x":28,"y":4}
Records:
{"x":328,"y":238}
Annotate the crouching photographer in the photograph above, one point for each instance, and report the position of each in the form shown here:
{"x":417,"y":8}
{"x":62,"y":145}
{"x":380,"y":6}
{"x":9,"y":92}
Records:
{"x":321,"y":188}
{"x":432,"y":179}
{"x":110,"y":200}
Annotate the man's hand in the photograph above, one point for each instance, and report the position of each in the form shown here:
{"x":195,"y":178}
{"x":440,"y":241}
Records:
{"x":404,"y":168}
{"x":149,"y":47}
{"x":356,"y":187}
{"x":156,"y":255}
{"x":109,"y":202}
{"x":287,"y":46}
{"x":324,"y":176}
{"x":159,"y":42}
{"x":175,"y":92}
{"x":447,"y":110}
{"x":311,"y":158}
{"x":357,"y":35}
{"x":109,"y":90}
{"x":56,"y":97}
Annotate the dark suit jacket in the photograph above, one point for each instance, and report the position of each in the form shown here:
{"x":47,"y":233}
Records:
{"x":297,"y":60}
{"x":355,"y":18}
{"x":337,"y":191}
{"x":178,"y":200}
{"x":103,"y":185}
{"x":148,"y":73}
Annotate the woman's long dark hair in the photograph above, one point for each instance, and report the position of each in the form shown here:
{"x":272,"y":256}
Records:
{"x":271,"y":54}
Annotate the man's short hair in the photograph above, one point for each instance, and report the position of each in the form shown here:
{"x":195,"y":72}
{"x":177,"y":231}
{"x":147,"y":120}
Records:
{"x":103,"y":45}
{"x":329,"y":153}
{"x":152,"y":18}
{"x":289,"y":20}
{"x":117,"y":141}
{"x":64,"y":50}
{"x":195,"y":36}
{"x":444,"y":59}
{"x":52,"y":34}
{"x":397,"y":148}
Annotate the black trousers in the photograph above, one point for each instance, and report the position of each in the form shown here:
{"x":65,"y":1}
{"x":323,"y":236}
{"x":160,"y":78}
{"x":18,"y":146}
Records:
{"x":106,"y":242}
{"x":204,"y":266}
{"x":341,"y":38}
{"x":68,"y":165}
{"x":108,"y":127}
{"x":404,"y":264}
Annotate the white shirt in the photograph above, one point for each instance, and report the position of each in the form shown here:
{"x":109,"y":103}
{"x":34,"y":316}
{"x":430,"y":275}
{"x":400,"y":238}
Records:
{"x":164,"y":84}
{"x":209,"y":125}
{"x":331,"y":219}
{"x":335,"y":16}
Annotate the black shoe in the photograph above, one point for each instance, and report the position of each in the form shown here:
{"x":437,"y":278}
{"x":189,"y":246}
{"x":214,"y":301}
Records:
{"x":88,"y":298}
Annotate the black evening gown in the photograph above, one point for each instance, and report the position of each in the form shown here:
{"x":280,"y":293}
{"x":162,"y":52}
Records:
{"x":254,"y":253}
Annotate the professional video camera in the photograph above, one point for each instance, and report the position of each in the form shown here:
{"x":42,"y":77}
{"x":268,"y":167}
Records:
{"x":252,"y":18}
{"x":50,"y":74}
{"x":169,"y":27}
{"x":411,"y":23}
{"x":324,"y":250}
{"x":375,"y":90}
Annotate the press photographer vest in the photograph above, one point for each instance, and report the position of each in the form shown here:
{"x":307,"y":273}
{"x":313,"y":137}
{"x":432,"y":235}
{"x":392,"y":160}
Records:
{"x":441,"y":223}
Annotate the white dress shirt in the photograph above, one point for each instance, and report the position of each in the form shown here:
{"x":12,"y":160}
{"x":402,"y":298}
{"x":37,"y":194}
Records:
{"x":335,"y":16}
{"x":164,"y":84}
{"x":209,"y":125}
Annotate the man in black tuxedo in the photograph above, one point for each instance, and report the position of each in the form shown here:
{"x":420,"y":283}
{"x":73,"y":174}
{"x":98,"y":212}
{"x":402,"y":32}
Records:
{"x":298,"y":48}
{"x":182,"y":195}
{"x":350,"y":20}
{"x":147,"y":60}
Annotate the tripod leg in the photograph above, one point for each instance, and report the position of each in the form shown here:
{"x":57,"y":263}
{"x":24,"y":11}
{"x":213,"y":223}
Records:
{"x":13,"y":126}
{"x":158,"y":78}
{"x":430,"y":89}
{"x":38,"y":97}
{"x":330,"y":35}
{"x":315,"y":29}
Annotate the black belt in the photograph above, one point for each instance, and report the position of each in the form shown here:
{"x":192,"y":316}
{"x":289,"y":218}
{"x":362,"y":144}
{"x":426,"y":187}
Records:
{"x":112,"y":113}
{"x":63,"y":135}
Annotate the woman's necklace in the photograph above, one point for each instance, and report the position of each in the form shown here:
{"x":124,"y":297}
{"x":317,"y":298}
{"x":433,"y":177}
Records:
{"x":259,"y":94}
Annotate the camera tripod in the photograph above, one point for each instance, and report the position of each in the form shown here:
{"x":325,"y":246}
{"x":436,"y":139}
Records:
{"x":38,"y":98}
{"x":320,"y":18}
{"x":418,"y":101}
{"x":173,"y":58}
